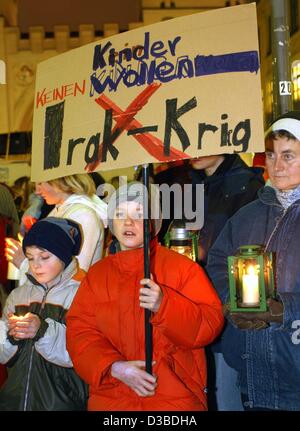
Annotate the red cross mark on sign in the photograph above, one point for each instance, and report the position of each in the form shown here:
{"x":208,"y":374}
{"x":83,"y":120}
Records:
{"x":125,"y":121}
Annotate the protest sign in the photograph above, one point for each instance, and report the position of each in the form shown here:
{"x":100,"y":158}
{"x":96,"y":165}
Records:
{"x":182,"y":88}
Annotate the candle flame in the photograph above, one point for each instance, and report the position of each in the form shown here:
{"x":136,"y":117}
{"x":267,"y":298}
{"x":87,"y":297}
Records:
{"x":183,"y":250}
{"x":9,"y":242}
{"x":251,"y":270}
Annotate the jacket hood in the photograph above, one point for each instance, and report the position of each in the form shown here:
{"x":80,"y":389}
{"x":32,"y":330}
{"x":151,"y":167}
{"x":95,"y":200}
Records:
{"x":94,"y":202}
{"x":267,"y":195}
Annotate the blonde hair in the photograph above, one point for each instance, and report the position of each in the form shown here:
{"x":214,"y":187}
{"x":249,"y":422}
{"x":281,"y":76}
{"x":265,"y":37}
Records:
{"x":80,"y":184}
{"x":23,"y":188}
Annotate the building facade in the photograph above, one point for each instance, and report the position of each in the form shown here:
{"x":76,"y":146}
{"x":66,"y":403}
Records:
{"x":28,"y":38}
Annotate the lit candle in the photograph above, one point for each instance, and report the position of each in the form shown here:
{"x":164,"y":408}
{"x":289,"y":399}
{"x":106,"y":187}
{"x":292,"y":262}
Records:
{"x":13,"y":273}
{"x":184,"y":250}
{"x":250,"y":287}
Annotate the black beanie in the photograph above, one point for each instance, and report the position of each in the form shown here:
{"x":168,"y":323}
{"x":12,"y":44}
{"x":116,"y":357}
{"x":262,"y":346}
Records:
{"x":62,"y":237}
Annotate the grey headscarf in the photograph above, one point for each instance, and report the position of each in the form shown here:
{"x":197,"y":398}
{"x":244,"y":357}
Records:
{"x":134,"y":191}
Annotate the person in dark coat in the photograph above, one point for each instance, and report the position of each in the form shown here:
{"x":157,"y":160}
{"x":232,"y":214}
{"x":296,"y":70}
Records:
{"x":264,"y":347}
{"x":229,"y":184}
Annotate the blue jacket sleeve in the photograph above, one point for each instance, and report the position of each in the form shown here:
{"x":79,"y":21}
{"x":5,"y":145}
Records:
{"x":217,"y":261}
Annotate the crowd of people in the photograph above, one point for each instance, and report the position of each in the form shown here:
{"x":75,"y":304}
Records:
{"x":72,"y":332}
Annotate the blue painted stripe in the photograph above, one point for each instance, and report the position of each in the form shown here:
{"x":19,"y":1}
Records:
{"x":246,"y":61}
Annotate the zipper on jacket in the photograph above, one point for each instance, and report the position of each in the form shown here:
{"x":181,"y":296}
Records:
{"x":31,"y":355}
{"x":285,"y":211}
{"x":28,"y":377}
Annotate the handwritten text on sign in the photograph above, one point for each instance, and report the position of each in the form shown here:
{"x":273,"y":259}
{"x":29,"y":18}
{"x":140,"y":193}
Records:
{"x":153,"y":94}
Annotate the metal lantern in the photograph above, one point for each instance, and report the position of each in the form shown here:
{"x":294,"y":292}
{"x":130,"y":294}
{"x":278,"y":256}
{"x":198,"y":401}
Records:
{"x":182,"y":240}
{"x":251,"y":279}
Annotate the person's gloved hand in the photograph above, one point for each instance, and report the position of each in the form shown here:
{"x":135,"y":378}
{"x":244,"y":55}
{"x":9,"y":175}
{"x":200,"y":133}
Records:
{"x":241,"y":321}
{"x":133,"y":375}
{"x":256,"y":320}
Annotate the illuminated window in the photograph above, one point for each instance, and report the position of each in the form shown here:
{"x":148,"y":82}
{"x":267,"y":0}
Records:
{"x":269,"y":103}
{"x":269,"y":96}
{"x":296,"y":80}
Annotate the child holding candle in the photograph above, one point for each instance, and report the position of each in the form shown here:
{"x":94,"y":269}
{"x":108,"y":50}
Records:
{"x":33,"y":329}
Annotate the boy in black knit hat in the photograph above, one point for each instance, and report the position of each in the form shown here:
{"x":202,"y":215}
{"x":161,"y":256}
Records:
{"x":33,"y":346}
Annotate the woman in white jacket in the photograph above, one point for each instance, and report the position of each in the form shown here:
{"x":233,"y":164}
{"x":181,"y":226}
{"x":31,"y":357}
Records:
{"x":74,"y":198}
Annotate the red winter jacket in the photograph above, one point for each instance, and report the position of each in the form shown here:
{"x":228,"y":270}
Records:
{"x":106,"y":324}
